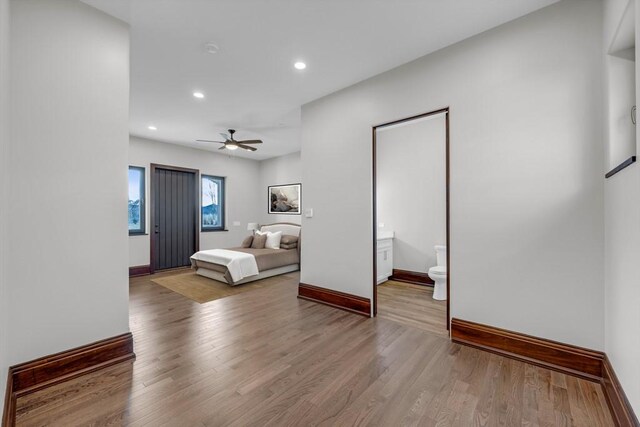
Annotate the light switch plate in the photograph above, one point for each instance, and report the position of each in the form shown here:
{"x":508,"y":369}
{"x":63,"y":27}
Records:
{"x":308,"y":213}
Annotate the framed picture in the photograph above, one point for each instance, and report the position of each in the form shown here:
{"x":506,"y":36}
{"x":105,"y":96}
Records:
{"x":212,"y":203}
{"x":285,"y":199}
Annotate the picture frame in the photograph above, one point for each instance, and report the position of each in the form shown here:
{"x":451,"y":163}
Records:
{"x":285,"y":199}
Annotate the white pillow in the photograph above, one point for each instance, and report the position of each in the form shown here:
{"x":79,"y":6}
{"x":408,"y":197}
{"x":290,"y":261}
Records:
{"x":273,"y":240}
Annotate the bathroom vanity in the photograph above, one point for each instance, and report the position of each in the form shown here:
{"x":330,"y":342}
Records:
{"x":385,"y":255}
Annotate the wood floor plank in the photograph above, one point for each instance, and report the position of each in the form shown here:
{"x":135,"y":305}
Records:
{"x":412,"y":305}
{"x":266,"y":358}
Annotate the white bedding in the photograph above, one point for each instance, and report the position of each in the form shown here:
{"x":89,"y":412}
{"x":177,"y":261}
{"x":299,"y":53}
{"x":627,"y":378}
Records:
{"x":239,"y":264}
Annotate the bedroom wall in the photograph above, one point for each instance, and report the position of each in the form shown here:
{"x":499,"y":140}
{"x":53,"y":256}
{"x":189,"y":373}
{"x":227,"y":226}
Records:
{"x":67,"y":268}
{"x":526,"y":173}
{"x":411,"y":190}
{"x":285,"y":169}
{"x":622,"y":238}
{"x":244,"y":197}
{"x":4,"y":190}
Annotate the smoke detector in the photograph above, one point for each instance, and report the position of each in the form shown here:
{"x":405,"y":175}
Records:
{"x":211,"y":48}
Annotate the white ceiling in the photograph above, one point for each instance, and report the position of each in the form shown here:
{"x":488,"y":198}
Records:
{"x":250,"y":84}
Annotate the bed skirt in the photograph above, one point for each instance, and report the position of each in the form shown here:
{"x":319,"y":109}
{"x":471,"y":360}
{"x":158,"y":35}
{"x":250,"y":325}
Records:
{"x":215,"y":275}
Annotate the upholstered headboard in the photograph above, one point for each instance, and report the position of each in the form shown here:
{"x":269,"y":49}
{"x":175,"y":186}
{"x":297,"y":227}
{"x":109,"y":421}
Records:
{"x":287,"y":228}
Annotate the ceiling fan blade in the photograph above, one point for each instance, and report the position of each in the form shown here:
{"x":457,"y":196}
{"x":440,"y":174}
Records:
{"x":206,"y":140}
{"x":222,"y":148}
{"x":251,"y":141}
{"x":246,"y":147}
{"x":225,"y":136}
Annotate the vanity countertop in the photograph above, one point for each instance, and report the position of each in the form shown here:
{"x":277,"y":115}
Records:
{"x":383,"y":235}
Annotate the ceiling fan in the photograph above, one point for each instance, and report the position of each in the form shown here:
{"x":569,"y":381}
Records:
{"x":232,"y":144}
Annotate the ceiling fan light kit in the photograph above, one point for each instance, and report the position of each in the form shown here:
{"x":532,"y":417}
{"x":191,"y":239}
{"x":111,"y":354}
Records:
{"x":232,"y":144}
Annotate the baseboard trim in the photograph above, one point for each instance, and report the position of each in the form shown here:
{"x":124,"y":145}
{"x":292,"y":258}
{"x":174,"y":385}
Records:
{"x":565,"y":358}
{"x":414,"y":277}
{"x":568,"y":359}
{"x":35,"y":375}
{"x":139,"y":270}
{"x":341,"y":300}
{"x":619,"y":405}
{"x":9,"y":413}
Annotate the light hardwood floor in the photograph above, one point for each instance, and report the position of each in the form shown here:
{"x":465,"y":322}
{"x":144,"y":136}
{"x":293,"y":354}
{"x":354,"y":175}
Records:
{"x":264,"y":358}
{"x":412,"y":305}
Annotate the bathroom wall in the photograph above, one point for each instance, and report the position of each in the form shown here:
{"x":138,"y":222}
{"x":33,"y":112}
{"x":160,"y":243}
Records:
{"x":411,"y":189}
{"x":527,"y":159}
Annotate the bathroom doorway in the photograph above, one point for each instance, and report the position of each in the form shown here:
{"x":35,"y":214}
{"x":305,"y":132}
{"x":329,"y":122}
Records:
{"x":411,"y":270}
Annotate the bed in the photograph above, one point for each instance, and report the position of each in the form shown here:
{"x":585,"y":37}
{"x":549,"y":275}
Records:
{"x":215,"y":264}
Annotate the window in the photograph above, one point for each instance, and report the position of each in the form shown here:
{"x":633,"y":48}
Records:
{"x":212,"y":203}
{"x":136,"y":200}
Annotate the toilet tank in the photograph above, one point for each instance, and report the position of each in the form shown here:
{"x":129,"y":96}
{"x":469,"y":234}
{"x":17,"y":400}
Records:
{"x":441,"y":255}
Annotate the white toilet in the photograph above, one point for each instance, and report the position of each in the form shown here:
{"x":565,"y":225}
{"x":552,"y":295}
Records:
{"x":439,"y":273}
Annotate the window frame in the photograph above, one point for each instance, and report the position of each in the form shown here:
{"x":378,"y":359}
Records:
{"x":143,"y":205}
{"x":223,"y":204}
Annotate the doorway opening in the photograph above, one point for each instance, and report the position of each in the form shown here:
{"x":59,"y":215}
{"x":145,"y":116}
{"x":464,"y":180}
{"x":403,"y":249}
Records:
{"x":411,"y":245}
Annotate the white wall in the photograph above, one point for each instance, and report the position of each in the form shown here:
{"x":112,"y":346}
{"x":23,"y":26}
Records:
{"x":526,"y":173}
{"x":411,"y":190}
{"x":285,"y":169}
{"x":622,"y":244}
{"x":622,"y":94}
{"x":244,"y":197}
{"x":4,"y":190}
{"x":67,"y":267}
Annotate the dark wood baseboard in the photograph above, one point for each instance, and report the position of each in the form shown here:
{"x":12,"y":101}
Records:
{"x":9,"y":414}
{"x":414,"y":277}
{"x":569,"y":359}
{"x":35,"y":375}
{"x":139,"y":270}
{"x":619,"y":405}
{"x":344,"y":301}
{"x":572,"y":360}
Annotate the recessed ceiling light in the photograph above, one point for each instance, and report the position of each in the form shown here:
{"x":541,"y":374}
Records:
{"x":152,"y":127}
{"x":300,"y":65}
{"x":198,"y":95}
